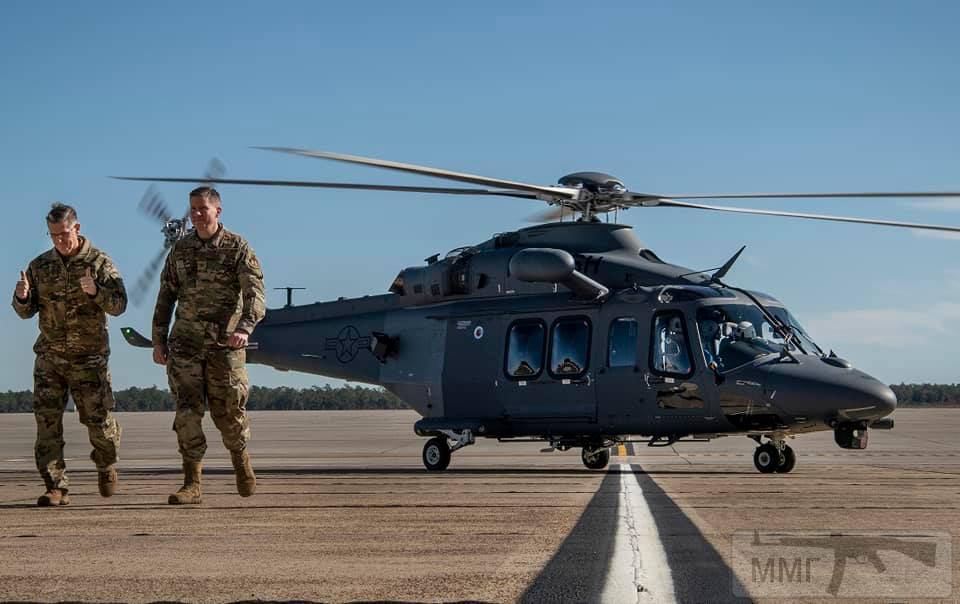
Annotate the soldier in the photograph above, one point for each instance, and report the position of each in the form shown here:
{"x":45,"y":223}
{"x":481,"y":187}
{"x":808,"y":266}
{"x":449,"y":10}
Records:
{"x":73,"y":286}
{"x":214,"y":278}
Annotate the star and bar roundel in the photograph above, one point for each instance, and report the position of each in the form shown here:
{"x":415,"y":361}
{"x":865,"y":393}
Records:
{"x":347,"y":344}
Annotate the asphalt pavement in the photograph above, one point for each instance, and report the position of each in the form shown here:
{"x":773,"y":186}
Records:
{"x":344,"y":511}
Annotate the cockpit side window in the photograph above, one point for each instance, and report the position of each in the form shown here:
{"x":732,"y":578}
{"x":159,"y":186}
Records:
{"x":525,"y":342}
{"x":733,"y":335}
{"x":622,"y":343}
{"x":569,"y":347}
{"x":670,"y":346}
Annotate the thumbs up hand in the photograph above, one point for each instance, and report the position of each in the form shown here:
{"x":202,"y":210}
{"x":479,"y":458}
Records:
{"x":88,"y":285}
{"x":23,"y":287}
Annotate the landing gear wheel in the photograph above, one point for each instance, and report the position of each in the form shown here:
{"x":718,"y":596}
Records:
{"x":595,"y":459}
{"x":436,"y":454}
{"x":767,"y":459}
{"x":789,"y":460}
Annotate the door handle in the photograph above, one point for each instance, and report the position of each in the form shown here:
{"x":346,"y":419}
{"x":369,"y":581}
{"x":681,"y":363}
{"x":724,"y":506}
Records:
{"x":653,"y":379}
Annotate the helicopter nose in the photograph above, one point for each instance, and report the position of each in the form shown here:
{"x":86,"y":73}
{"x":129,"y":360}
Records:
{"x":883,"y":398}
{"x":811,"y":387}
{"x":869,"y":399}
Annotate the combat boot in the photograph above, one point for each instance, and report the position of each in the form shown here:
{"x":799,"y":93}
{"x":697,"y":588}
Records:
{"x":246,"y":479}
{"x":107,"y":482}
{"x":53,"y":497}
{"x":190,"y":491}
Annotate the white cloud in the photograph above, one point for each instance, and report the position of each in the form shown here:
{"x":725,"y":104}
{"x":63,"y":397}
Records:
{"x":949,"y":204}
{"x":888,"y":327}
{"x":935,"y":234}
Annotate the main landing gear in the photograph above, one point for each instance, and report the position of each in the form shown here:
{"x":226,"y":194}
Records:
{"x":774,"y":456}
{"x":437,"y":450}
{"x":595,"y":458}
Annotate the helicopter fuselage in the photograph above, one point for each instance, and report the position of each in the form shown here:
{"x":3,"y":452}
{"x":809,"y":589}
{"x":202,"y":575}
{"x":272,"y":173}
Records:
{"x":653,"y":351}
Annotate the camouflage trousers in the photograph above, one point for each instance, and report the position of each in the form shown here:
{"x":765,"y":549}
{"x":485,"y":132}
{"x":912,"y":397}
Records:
{"x":219,"y":379}
{"x":87,"y":378}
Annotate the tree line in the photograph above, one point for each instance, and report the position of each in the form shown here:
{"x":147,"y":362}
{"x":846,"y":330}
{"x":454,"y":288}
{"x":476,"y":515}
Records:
{"x":360,"y":397}
{"x":269,"y":399}
{"x":927,"y":395}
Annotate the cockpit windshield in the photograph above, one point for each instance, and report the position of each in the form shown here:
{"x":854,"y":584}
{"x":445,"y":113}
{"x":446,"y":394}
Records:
{"x":809,"y":346}
{"x":734,"y":334}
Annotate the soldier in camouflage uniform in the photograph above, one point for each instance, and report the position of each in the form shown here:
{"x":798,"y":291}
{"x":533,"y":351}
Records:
{"x":73,"y":286}
{"x":215,"y":280}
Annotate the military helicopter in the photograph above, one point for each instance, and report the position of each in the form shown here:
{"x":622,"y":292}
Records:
{"x":574,"y":333}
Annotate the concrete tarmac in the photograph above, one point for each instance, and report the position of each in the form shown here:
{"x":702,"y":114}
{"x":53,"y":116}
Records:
{"x":344,"y":511}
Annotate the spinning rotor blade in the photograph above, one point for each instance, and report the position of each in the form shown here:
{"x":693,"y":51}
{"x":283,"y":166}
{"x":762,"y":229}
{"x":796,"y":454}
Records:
{"x":909,"y":225}
{"x":543,"y":192}
{"x":340,"y":185}
{"x":152,"y":204}
{"x":215,"y":170}
{"x":558,"y":212}
{"x":144,"y":282}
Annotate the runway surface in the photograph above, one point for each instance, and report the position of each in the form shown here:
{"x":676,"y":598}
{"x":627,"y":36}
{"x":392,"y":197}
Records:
{"x":344,"y":511}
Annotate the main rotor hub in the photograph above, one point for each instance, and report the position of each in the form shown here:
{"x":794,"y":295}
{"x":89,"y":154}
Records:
{"x":598,"y":183}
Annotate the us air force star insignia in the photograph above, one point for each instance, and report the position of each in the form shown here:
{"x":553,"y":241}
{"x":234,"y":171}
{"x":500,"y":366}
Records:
{"x":347,"y":344}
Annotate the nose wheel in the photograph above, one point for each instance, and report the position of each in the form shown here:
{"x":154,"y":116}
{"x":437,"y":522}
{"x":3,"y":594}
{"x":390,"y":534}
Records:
{"x":769,"y":458}
{"x":789,"y":460}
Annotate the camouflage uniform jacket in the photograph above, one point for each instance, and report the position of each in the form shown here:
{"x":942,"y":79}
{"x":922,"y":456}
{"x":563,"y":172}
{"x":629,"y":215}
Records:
{"x":217,"y":286}
{"x":72,"y":323}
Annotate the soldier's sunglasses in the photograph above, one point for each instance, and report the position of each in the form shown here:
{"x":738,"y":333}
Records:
{"x":63,"y":235}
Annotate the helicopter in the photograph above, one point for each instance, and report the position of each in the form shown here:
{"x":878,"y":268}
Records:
{"x":573,"y":333}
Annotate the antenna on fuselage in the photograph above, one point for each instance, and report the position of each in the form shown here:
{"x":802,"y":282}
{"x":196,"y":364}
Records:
{"x":289,"y":291}
{"x":723,"y":270}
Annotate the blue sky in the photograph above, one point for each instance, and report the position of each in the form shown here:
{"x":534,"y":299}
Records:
{"x":672,"y":97}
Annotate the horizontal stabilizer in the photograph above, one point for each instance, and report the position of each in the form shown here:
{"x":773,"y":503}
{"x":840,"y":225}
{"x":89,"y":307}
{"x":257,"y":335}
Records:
{"x":135,"y":338}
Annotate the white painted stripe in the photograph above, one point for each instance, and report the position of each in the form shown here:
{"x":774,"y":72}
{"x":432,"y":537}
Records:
{"x":638,"y":571}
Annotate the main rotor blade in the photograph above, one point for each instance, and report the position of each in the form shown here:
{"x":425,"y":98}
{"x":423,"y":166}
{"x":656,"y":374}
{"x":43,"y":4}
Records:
{"x":339,"y":185}
{"x":909,"y":225}
{"x":893,"y":194}
{"x":551,"y":192}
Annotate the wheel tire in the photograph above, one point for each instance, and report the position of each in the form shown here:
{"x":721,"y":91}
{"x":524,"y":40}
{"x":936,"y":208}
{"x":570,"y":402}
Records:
{"x":767,"y":459}
{"x":598,"y":458}
{"x":436,"y":454}
{"x":789,"y":460}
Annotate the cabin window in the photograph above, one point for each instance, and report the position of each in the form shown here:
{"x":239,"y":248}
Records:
{"x":670,"y":346}
{"x":525,"y":349}
{"x":569,"y":347}
{"x":622,"y":346}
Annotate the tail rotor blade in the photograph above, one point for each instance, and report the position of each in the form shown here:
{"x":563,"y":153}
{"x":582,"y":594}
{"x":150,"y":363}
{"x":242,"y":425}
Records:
{"x":153,"y":204}
{"x":551,"y":214}
{"x":144,"y":283}
{"x":215,"y":171}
